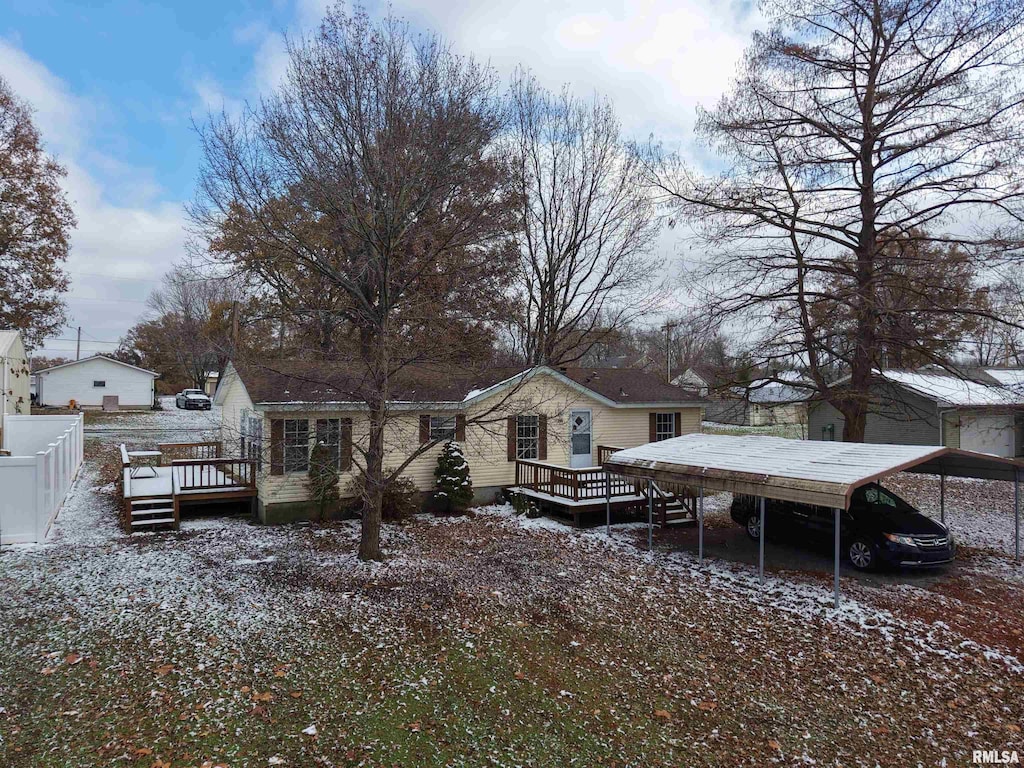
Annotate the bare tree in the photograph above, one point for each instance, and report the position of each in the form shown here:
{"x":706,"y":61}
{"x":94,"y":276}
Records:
{"x":854,"y":125}
{"x":35,"y":226}
{"x":196,"y":317}
{"x":371,"y":167}
{"x":586,"y":224}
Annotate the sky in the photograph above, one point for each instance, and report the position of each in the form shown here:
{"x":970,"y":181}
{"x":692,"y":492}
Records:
{"x":119,"y":88}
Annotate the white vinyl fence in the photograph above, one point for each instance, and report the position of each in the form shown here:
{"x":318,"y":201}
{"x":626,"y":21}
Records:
{"x":46,"y":452}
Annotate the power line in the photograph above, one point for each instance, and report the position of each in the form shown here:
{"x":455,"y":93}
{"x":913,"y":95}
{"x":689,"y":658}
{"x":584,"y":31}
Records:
{"x":116,"y":277}
{"x":107,"y":301}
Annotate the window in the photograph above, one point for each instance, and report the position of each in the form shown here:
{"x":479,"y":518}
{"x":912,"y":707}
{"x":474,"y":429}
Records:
{"x":442,"y":428}
{"x":328,"y":432}
{"x":828,"y":432}
{"x":296,"y":445}
{"x":99,"y":383}
{"x":527,"y":437}
{"x":664,"y":426}
{"x":252,"y":438}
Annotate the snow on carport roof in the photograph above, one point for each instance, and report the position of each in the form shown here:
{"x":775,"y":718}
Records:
{"x":824,"y":473}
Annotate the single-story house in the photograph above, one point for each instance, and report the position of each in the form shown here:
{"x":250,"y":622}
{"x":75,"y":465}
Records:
{"x":980,"y":410}
{"x":15,"y":397}
{"x":96,"y":382}
{"x":555,"y":417}
{"x":762,"y":402}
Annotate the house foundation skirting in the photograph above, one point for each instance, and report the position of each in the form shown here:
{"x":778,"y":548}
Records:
{"x":304,"y":511}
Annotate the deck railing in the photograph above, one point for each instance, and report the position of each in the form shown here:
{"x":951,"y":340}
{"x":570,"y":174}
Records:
{"x":177,"y":451}
{"x":211,"y":474}
{"x":569,"y":483}
{"x":604,"y":451}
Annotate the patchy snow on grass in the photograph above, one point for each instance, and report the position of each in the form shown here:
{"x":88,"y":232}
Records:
{"x":477,"y":632}
{"x":979,"y":513}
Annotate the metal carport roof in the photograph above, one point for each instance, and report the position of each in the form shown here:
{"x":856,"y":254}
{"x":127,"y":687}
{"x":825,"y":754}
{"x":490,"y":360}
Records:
{"x":809,"y":472}
{"x":812,"y":472}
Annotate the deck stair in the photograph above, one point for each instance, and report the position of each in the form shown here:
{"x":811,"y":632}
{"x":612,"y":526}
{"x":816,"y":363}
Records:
{"x":149,"y":513}
{"x":187,"y":475}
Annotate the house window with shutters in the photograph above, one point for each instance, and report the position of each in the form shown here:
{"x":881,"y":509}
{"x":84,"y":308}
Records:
{"x":527,"y":437}
{"x":296,"y":445}
{"x":442,"y":428}
{"x":664,"y":426}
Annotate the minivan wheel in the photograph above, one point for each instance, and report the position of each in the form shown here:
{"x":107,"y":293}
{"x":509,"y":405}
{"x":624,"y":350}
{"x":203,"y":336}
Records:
{"x":862,"y":555}
{"x":754,"y":526}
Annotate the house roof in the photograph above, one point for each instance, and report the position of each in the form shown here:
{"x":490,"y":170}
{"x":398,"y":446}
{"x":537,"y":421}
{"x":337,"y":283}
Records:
{"x":7,"y":338}
{"x":955,"y":391}
{"x":813,"y":472}
{"x":93,"y":357}
{"x":296,"y":382}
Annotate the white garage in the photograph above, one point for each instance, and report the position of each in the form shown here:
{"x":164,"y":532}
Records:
{"x":94,"y":382}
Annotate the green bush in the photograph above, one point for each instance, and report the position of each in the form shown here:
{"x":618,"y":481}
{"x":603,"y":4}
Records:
{"x":454,"y":486}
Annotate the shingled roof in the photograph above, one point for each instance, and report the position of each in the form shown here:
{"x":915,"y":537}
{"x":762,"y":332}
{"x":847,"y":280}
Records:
{"x":307,"y":381}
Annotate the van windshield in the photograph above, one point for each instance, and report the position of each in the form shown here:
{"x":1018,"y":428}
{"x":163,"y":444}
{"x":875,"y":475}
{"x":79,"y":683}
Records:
{"x":874,"y":495}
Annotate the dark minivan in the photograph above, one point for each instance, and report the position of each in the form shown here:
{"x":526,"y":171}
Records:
{"x":879,"y":528}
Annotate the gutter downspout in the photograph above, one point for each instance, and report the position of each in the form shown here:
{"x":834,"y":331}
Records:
{"x":942,"y":424}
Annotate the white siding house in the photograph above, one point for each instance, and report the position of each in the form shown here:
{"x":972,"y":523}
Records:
{"x":87,"y":382}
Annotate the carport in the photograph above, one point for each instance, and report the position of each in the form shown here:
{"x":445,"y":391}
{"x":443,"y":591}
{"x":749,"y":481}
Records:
{"x":810,"y":472}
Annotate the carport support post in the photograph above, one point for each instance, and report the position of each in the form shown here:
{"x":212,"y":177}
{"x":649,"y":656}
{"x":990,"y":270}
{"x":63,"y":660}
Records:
{"x":1016,"y":516}
{"x":760,"y":547}
{"x":650,"y":515}
{"x":608,"y":502}
{"x":942,"y":498}
{"x":835,"y":575}
{"x":700,"y":526}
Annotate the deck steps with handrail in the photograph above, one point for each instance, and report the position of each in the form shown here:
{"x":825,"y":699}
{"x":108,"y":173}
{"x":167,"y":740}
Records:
{"x":196,"y":473}
{"x":577,"y":491}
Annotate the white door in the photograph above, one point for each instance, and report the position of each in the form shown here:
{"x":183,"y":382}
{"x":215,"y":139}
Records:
{"x":580,"y":453}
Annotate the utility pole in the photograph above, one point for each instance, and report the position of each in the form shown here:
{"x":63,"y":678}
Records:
{"x":667,"y":327}
{"x":78,"y":344}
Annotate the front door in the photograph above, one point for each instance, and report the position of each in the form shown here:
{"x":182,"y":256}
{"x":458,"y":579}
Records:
{"x":580,"y":453}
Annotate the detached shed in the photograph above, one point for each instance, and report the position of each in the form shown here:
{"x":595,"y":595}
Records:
{"x":94,"y":382}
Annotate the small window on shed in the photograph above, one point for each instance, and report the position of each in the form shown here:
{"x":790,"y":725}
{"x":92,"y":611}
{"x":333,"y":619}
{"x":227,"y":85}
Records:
{"x":99,"y":383}
{"x":828,"y":432}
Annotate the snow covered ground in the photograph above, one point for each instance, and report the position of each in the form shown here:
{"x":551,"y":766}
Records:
{"x":491,"y":639}
{"x":170,"y":424}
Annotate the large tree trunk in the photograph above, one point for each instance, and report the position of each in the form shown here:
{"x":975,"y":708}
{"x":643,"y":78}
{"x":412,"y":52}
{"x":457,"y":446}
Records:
{"x":373,"y":493}
{"x":374,"y":346}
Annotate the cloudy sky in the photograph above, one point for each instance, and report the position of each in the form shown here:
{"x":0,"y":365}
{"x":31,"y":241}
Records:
{"x":116,"y":91}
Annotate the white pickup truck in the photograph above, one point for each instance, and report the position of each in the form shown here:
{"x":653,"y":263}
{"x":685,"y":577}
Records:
{"x":192,"y":399}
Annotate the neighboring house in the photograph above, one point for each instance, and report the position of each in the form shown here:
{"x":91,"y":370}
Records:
{"x":691,"y":378}
{"x":542,"y":414}
{"x":15,"y":394}
{"x":982,"y":411}
{"x":772,"y":402}
{"x":212,"y":377}
{"x":95,"y":382}
{"x":763,"y":402}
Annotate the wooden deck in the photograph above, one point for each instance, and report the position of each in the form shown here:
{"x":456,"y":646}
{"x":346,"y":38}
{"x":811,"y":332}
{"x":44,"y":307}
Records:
{"x":584,"y":494}
{"x":154,"y":496}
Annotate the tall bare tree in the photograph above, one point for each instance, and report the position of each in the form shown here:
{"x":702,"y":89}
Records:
{"x":854,"y":125}
{"x":35,"y":226}
{"x":586,"y":224}
{"x":372,"y":167}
